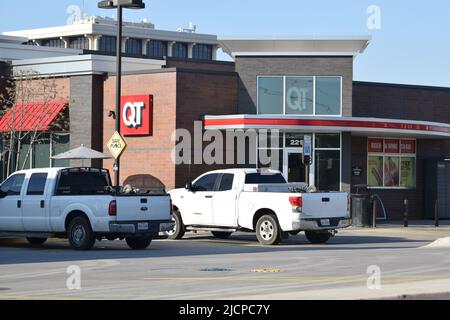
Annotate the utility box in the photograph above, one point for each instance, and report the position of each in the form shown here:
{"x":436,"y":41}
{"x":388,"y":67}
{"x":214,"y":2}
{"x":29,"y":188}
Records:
{"x":437,"y":187}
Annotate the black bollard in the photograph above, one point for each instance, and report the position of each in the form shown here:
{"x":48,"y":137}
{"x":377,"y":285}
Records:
{"x":374,"y":212}
{"x":405,"y":217}
{"x":436,"y":213}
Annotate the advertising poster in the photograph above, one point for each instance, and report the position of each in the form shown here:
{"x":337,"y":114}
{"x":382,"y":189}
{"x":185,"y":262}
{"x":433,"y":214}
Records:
{"x":407,"y":172}
{"x":391,"y":172}
{"x":375,"y":171}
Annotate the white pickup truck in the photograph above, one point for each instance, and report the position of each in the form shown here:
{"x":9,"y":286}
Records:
{"x":78,"y":204}
{"x":226,"y":201}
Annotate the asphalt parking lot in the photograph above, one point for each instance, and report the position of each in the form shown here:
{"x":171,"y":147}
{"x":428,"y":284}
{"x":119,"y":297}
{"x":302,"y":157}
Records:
{"x":202,"y":267}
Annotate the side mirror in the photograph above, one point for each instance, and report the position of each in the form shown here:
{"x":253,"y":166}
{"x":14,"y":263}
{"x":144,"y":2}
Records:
{"x":3,"y":194}
{"x":188,"y":186}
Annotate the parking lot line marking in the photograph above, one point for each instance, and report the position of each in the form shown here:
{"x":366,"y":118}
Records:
{"x":38,"y":298}
{"x":354,"y":278}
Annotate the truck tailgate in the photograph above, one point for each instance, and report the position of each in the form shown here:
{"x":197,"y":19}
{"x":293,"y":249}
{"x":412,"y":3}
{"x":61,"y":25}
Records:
{"x":325,"y":205}
{"x":143,"y":208}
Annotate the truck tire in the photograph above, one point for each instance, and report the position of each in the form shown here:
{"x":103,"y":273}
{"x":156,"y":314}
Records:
{"x":36,"y":241}
{"x":268,"y":230}
{"x":139,"y":243}
{"x":179,"y":228}
{"x":317,"y":237}
{"x":221,"y":234}
{"x":80,"y":234}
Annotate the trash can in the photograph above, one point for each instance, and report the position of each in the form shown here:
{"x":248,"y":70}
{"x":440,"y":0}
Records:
{"x":360,"y":206}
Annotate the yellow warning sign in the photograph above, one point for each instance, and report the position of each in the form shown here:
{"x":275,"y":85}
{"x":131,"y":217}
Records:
{"x":117,"y":145}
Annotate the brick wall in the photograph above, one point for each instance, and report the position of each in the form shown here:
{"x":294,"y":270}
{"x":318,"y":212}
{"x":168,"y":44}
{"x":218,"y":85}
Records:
{"x":146,"y":155}
{"x":200,"y":93}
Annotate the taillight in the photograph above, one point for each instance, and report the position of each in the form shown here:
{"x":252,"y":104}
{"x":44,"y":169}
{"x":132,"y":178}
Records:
{"x":171,"y":208}
{"x":296,"y":201}
{"x":112,"y":209}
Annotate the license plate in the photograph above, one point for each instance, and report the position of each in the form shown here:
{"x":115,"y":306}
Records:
{"x":143,"y":226}
{"x":325,"y":222}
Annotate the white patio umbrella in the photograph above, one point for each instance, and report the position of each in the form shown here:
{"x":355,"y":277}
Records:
{"x":80,"y":153}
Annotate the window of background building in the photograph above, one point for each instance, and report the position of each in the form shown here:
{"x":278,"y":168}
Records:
{"x":56,"y":43}
{"x":299,"y":95}
{"x":327,"y":161}
{"x":295,"y":95}
{"x":391,"y":163}
{"x":133,"y":46}
{"x":180,"y":50}
{"x":80,"y":42}
{"x":107,"y":44}
{"x":270,"y":95}
{"x":157,"y":48}
{"x":202,"y":52}
{"x":47,"y":145}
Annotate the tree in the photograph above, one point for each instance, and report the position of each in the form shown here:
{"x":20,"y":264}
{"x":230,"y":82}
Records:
{"x":22,"y":89}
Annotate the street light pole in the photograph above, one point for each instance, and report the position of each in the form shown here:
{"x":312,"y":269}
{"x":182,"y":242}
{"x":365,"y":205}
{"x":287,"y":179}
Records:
{"x":118,"y":88}
{"x":119,"y":5}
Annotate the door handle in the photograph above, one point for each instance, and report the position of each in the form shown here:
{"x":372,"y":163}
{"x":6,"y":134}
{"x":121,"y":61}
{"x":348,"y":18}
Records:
{"x":19,"y":204}
{"x":208,"y":197}
{"x":42,"y":204}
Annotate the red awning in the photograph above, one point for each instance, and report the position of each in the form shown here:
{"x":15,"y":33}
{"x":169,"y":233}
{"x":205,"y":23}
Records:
{"x":32,"y":116}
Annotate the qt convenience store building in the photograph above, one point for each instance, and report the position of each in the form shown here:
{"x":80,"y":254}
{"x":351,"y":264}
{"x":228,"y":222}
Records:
{"x":393,"y":138}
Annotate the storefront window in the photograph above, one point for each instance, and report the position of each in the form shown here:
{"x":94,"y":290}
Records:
{"x":408,"y":172}
{"x":328,"y":140}
{"x":328,"y":95}
{"x":391,"y":163}
{"x":328,"y":168}
{"x":270,"y":95}
{"x":391,"y":172}
{"x":294,"y":139}
{"x":299,"y":95}
{"x":375,"y":171}
{"x":295,"y":95}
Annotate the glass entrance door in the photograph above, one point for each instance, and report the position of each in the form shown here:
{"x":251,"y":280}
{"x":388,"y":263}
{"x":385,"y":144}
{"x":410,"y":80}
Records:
{"x":294,"y":170}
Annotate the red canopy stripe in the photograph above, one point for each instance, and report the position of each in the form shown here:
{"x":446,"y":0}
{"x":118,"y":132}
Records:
{"x":32,"y":116}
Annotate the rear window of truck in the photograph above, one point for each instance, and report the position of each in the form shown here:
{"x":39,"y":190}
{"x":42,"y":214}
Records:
{"x":79,"y":182}
{"x":259,"y":178}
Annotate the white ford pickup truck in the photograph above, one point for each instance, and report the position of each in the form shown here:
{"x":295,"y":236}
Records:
{"x":78,"y":204}
{"x":226,"y":201}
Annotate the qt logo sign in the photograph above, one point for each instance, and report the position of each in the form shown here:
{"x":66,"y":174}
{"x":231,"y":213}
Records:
{"x":136,"y":115}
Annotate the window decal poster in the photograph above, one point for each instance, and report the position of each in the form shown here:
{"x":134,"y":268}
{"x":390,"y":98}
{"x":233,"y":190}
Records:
{"x":375,"y":171}
{"x":391,"y":172}
{"x":407,"y":172}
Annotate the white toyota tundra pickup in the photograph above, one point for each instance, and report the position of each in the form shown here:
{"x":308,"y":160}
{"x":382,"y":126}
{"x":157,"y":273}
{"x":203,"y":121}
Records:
{"x":226,"y":201}
{"x":79,"y":204}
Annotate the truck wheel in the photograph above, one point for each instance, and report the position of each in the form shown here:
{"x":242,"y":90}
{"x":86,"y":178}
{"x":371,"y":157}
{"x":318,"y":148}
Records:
{"x":221,"y":234}
{"x":179,"y":228}
{"x":81,"y":236}
{"x":268,"y":231}
{"x":138,"y":243}
{"x":317,"y":237}
{"x":36,"y":241}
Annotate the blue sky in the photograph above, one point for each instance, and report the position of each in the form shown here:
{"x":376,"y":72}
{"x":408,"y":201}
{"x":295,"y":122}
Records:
{"x":412,"y":46}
